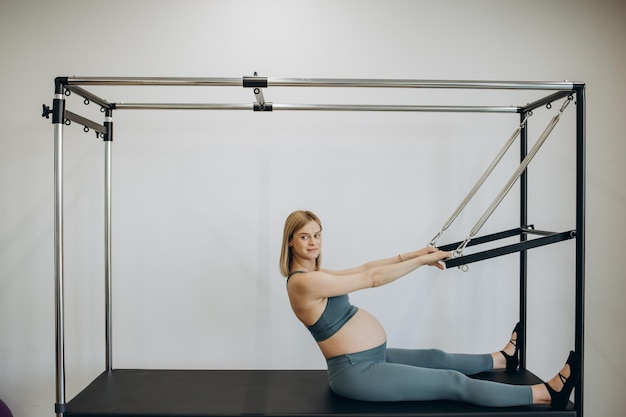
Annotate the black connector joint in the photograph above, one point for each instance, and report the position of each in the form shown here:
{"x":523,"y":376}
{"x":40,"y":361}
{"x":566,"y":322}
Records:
{"x":58,"y":104}
{"x":254,"y":82}
{"x":107,"y":136}
{"x":60,"y":408}
{"x":58,"y":111}
{"x":263,"y":107}
{"x":59,"y":84}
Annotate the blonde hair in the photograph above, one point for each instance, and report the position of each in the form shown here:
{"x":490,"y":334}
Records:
{"x":295,"y":221}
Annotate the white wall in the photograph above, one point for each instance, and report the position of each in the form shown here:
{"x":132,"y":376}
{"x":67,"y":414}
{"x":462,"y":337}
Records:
{"x":200,"y":198}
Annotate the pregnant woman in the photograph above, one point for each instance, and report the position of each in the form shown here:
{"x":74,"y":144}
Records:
{"x":354,"y":343}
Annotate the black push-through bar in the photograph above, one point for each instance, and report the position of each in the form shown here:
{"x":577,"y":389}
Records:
{"x":546,"y":239}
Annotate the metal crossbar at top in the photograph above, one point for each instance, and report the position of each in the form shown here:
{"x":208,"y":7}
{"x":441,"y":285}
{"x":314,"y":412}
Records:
{"x":255,"y":81}
{"x":76,"y":84}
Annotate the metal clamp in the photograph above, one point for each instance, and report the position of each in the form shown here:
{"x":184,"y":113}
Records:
{"x":257,"y":83}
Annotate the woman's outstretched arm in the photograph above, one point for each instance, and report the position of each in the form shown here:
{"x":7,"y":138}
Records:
{"x":402,"y":257}
{"x":325,"y":283}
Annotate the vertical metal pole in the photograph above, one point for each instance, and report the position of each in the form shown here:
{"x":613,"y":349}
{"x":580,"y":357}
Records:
{"x":108,"y":143}
{"x":580,"y":240}
{"x":523,"y":261}
{"x":58,"y":120}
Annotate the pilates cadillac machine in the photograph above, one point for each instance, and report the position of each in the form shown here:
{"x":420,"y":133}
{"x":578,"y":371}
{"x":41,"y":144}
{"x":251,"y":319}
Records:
{"x":131,"y":392}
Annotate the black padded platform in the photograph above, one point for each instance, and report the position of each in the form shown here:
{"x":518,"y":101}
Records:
{"x":132,"y":392}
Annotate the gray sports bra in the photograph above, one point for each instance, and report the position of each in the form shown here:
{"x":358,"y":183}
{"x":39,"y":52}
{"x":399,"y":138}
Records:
{"x":337,"y":313}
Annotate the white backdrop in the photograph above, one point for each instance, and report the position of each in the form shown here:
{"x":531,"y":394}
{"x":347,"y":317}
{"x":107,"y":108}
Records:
{"x":200,"y":197}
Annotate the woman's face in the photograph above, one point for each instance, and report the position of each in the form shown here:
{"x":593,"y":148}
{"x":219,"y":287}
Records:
{"x":306,"y":242}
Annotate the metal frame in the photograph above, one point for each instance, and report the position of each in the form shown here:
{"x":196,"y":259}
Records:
{"x":557,"y":90}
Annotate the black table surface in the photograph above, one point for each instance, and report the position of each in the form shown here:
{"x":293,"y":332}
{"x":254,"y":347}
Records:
{"x":187,"y":393}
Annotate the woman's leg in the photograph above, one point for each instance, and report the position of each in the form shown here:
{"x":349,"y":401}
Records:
{"x":382,"y":381}
{"x":467,"y":364}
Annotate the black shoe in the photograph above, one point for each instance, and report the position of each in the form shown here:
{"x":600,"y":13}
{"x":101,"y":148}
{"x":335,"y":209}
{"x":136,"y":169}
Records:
{"x":560,"y":399}
{"x":512,"y":361}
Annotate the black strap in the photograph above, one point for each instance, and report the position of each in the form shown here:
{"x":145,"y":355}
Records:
{"x":295,"y":272}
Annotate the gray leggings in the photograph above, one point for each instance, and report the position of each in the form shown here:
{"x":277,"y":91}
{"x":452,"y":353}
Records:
{"x":382,"y":374}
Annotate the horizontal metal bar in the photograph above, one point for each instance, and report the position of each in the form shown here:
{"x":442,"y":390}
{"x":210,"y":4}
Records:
{"x":408,"y":83}
{"x":88,"y":95}
{"x":315,"y":107}
{"x":397,"y":108}
{"x":84,"y":121}
{"x":156,"y":81}
{"x":326,"y":82}
{"x":183,"y":106}
{"x":505,"y":250}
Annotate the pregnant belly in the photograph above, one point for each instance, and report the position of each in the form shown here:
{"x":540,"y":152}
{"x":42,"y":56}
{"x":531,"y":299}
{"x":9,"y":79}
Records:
{"x":360,"y":333}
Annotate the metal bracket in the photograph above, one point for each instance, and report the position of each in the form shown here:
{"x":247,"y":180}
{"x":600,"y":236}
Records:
{"x":257,"y":83}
